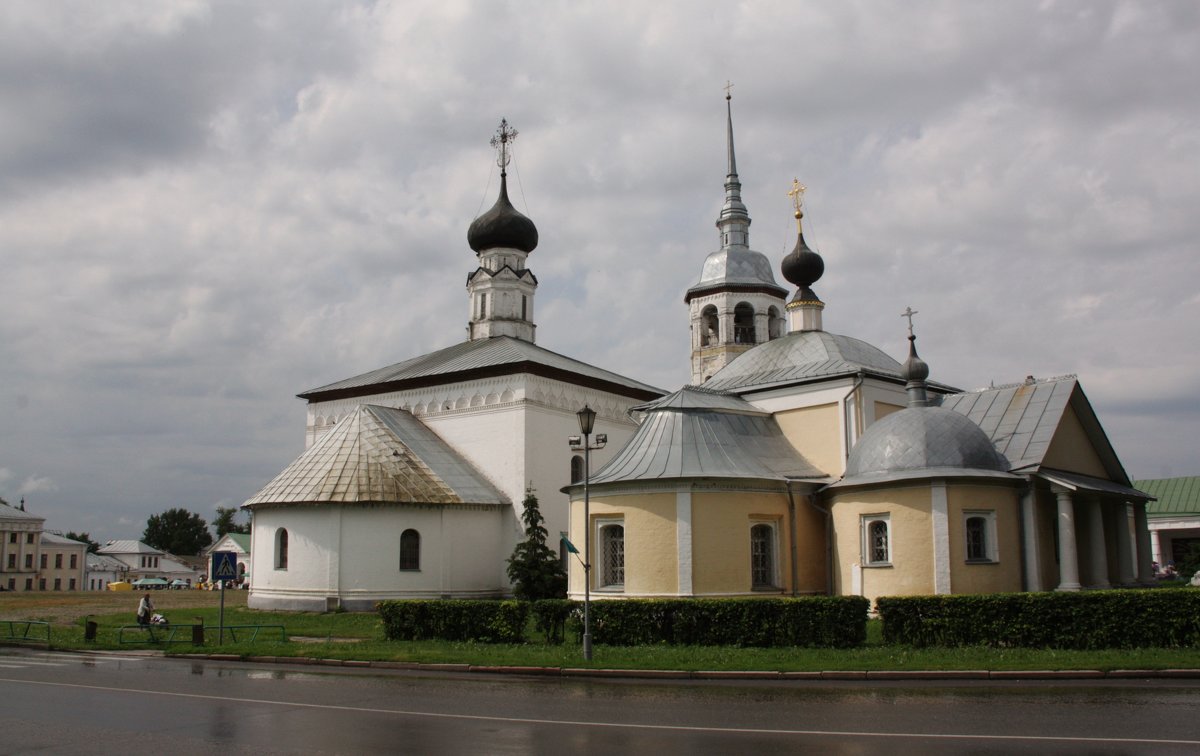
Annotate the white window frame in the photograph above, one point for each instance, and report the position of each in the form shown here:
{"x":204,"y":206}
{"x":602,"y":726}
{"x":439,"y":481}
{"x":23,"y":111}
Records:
{"x":865,"y":531}
{"x":773,"y":583}
{"x":598,"y":575}
{"x":990,"y":546}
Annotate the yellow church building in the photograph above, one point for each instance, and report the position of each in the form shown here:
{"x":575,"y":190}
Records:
{"x":807,"y":462}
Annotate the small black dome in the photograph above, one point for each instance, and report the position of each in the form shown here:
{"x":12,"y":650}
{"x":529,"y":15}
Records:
{"x":802,"y":266}
{"x":502,"y":226}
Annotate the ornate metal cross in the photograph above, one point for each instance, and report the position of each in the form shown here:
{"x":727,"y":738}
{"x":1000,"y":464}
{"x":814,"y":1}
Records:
{"x":908,"y":313}
{"x":504,"y":135}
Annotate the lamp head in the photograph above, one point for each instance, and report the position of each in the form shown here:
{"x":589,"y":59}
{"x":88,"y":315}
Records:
{"x":587,"y":419}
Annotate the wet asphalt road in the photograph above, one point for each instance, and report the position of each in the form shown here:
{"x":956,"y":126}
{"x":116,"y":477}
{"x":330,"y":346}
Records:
{"x":68,"y":703}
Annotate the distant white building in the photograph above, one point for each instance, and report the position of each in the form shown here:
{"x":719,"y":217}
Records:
{"x":239,"y":544}
{"x":102,"y":570}
{"x":62,"y":563}
{"x":144,"y":561}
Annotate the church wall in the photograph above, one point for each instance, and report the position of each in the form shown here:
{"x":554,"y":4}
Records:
{"x":910,"y":535}
{"x":1072,"y":450}
{"x":721,"y":523}
{"x":651,"y":544}
{"x":1046,"y":515}
{"x":1004,"y":575}
{"x":816,"y":432}
{"x":352,"y":554}
{"x":883,"y":409}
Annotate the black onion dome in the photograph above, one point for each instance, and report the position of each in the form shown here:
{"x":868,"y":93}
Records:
{"x":803,"y":267}
{"x":502,"y":226}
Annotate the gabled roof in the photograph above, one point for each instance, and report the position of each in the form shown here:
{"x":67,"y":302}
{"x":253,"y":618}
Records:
{"x":1176,"y":496}
{"x":240,"y":540}
{"x":695,"y":433}
{"x":58,"y":540}
{"x":104,"y":562}
{"x":379,"y":455}
{"x":482,"y":358}
{"x":1022,"y":419}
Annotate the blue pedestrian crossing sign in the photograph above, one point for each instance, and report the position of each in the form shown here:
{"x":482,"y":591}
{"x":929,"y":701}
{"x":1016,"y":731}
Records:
{"x":224,"y":565}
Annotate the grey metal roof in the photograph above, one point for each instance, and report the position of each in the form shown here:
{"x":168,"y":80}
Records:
{"x":475,"y":355}
{"x":696,"y":434}
{"x":9,"y":512}
{"x":379,"y":455}
{"x":103,"y":562}
{"x":1176,"y":496}
{"x":800,"y":356}
{"x":738,"y":266}
{"x":129,"y":547}
{"x":923,"y":442}
{"x":1079,"y":482}
{"x":1021,"y":420}
{"x":55,"y":538}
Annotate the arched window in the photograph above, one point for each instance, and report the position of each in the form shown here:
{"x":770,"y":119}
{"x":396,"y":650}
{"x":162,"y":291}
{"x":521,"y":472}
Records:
{"x":774,"y":323}
{"x":612,"y":555}
{"x":410,"y":550}
{"x":524,"y":307}
{"x":743,"y":324}
{"x":577,"y":469}
{"x":710,"y":327}
{"x":877,"y":548}
{"x":281,"y":549}
{"x":483,"y":305}
{"x":980,"y":536}
{"x":762,"y":556}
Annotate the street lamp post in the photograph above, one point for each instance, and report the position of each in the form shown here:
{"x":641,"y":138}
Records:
{"x":587,"y":421}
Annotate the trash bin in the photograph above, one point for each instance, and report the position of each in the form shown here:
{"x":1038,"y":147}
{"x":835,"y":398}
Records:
{"x":89,"y":631}
{"x":198,"y":635}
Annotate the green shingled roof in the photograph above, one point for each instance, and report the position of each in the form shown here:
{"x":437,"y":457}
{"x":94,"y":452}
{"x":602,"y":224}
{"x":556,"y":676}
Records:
{"x":1176,"y":496}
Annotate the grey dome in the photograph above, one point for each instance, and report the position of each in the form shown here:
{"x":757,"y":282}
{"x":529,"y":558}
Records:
{"x":502,"y":226}
{"x":799,"y":356}
{"x":924,"y":439}
{"x":738,"y":266}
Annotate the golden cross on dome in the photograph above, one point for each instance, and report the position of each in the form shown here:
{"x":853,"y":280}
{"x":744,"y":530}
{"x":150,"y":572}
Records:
{"x":505,"y":134}
{"x":797,"y":195}
{"x":908,"y":313}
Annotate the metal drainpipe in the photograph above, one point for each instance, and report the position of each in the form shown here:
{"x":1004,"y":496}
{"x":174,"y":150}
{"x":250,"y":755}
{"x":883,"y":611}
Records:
{"x":827,"y":516}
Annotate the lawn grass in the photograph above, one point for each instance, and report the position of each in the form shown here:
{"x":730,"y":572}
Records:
{"x":355,"y":635}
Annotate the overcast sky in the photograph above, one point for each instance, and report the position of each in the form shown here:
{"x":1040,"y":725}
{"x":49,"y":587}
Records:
{"x":208,"y":207}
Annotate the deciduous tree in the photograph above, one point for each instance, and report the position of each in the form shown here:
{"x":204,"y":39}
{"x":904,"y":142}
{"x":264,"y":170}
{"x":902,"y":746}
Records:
{"x":177,"y":531}
{"x":93,"y":547}
{"x":226,"y":521}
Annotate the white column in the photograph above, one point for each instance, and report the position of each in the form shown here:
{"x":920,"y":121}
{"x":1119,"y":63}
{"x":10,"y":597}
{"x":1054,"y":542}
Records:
{"x":1124,"y":545}
{"x":1097,"y":550}
{"x":1068,"y":558}
{"x":683,"y":540}
{"x":939,"y":506}
{"x":1029,"y":546}
{"x":1142,"y":532}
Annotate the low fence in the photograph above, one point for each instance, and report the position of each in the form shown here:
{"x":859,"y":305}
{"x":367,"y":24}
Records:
{"x":25,"y":631}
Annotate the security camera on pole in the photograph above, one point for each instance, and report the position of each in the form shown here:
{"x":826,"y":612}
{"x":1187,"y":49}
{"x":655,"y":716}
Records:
{"x":587,"y":420}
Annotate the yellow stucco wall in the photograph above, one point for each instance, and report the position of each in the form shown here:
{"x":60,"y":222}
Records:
{"x":911,"y":546}
{"x":1005,"y":574}
{"x":651,"y":563}
{"x":816,"y":432}
{"x":721,"y":523}
{"x":883,"y":409}
{"x":1072,"y":450}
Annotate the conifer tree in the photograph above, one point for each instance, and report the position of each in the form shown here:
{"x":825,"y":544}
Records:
{"x":534,"y":568}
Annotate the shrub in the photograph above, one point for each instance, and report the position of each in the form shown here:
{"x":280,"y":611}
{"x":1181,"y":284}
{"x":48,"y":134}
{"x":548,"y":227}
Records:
{"x":1085,"y":620}
{"x":454,"y":620}
{"x":839,"y":622}
{"x":550,"y":617}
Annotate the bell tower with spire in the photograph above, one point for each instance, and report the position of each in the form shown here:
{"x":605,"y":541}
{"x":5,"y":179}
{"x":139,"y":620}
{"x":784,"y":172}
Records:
{"x":736,"y":303}
{"x":501,"y":289}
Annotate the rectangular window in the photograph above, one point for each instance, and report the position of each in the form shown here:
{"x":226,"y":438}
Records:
{"x":12,"y":561}
{"x":29,"y":561}
{"x":58,"y":584}
{"x":611,"y":537}
{"x":58,"y":561}
{"x":71,"y":584}
{"x":763,"y":572}
{"x":876,"y":540}
{"x":29,"y":538}
{"x":74,"y":561}
{"x":979,"y":533}
{"x":29,"y":584}
{"x":45,"y":558}
{"x":12,"y":537}
{"x":41,"y":584}
{"x":12,"y":584}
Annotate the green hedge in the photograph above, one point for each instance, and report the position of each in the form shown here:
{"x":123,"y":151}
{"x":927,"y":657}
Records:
{"x":455,"y":620}
{"x":1162,"y":618}
{"x":839,"y":622}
